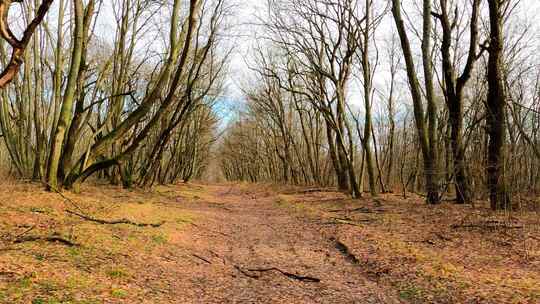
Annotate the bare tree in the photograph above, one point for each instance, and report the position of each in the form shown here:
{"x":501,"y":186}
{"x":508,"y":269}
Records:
{"x":427,"y":134}
{"x":454,"y":86}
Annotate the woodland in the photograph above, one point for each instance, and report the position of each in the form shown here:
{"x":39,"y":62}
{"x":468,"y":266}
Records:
{"x":274,"y":151}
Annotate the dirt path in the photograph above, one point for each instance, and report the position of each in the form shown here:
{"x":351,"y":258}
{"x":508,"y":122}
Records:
{"x":238,"y":233}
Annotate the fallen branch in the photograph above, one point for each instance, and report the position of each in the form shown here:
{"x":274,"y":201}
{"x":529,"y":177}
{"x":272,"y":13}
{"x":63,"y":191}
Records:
{"x":202,"y":259}
{"x":115,"y":222}
{"x":218,"y":205}
{"x":427,"y":241}
{"x":52,"y":239}
{"x":67,"y":199}
{"x":442,"y":237}
{"x":306,"y":191}
{"x":359,"y":210}
{"x":306,"y":279}
{"x":378,"y":202}
{"x":487,"y":226}
{"x":25,"y":232}
{"x":351,"y":222}
{"x":247,"y":274}
{"x":345,"y":251}
{"x":218,"y":256}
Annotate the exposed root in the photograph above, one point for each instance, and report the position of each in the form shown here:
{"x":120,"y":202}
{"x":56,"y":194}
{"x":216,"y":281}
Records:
{"x":491,"y":225}
{"x":306,"y":191}
{"x":348,"y":221}
{"x":218,"y":205}
{"x":201,"y":258}
{"x":247,"y":273}
{"x":358,"y":210}
{"x":114,"y":222}
{"x":52,"y":239}
{"x":427,"y":241}
{"x":345,"y":251}
{"x":442,"y":237}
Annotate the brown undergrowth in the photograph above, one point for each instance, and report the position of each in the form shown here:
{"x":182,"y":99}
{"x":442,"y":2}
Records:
{"x":435,"y":254}
{"x":244,"y":243}
{"x":50,"y":255}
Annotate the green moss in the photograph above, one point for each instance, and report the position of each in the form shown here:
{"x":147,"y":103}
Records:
{"x":79,"y":281}
{"x":74,"y":251}
{"x":119,"y":293}
{"x":39,"y":256}
{"x":25,"y":282}
{"x":48,"y":286}
{"x":117,"y":273}
{"x":43,"y":210}
{"x":159,"y":239}
{"x":185,"y":218}
{"x":410,"y":293}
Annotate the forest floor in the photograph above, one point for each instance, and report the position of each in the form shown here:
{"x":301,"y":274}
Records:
{"x":242,"y":243}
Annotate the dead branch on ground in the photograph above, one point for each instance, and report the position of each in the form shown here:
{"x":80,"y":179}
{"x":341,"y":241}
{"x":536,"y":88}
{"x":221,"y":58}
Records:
{"x":307,"y":191}
{"x":301,"y":278}
{"x":52,"y":239}
{"x":115,"y":222}
{"x":345,"y":251}
{"x":201,"y":258}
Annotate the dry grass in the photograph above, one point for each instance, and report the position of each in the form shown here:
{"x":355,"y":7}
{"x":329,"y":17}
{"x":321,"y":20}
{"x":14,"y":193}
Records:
{"x":437,"y":254}
{"x":107,"y":264}
{"x":419,"y":253}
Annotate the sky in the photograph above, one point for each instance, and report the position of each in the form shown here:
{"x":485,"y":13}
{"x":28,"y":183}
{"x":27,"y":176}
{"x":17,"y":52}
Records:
{"x":251,"y":10}
{"x":247,"y":14}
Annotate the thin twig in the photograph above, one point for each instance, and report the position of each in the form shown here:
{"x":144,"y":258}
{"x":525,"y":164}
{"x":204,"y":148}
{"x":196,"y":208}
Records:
{"x":202,"y":259}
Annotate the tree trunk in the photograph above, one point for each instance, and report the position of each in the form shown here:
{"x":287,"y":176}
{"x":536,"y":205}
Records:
{"x":426,"y":136}
{"x":453,"y":88}
{"x":496,"y":121}
{"x":67,"y":104}
{"x":368,"y":124}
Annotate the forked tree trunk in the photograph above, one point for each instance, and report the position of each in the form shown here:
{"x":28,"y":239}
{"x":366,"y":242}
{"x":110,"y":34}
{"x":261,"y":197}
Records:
{"x":69,"y":97}
{"x":453,"y":87}
{"x":426,"y":135}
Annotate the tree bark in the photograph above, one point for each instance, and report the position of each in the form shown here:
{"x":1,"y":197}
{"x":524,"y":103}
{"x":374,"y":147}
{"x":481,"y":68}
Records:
{"x":453,"y":88}
{"x":69,"y":96}
{"x":496,"y":116}
{"x":426,"y":136}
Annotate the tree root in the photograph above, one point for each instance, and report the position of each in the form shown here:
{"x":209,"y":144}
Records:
{"x":52,"y":239}
{"x":114,"y":222}
{"x":220,"y":206}
{"x":487,"y":225}
{"x":359,"y":210}
{"x":201,"y":258}
{"x":247,"y":273}
{"x":306,"y":191}
{"x":347,"y":221}
{"x":345,"y":251}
